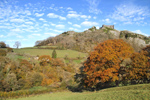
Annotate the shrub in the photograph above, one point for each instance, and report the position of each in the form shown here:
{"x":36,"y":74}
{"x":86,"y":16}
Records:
{"x":57,"y":62}
{"x":103,"y":63}
{"x":26,"y":64}
{"x":3,"y":53}
{"x":9,"y":50}
{"x":44,"y":60}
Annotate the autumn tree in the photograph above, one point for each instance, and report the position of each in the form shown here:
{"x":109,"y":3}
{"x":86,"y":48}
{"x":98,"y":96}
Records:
{"x":139,"y":71}
{"x":2,"y":45}
{"x":17,"y":44}
{"x":104,"y":62}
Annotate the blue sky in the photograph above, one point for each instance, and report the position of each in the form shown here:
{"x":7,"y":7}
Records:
{"x":30,"y":20}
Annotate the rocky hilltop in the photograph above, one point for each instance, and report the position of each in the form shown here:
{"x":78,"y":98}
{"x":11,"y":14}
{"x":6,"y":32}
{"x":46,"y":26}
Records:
{"x":87,"y":40}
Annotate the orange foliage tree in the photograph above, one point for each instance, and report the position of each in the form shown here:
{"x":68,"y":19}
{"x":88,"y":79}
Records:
{"x":140,"y":68}
{"x":44,"y":59}
{"x":104,"y":62}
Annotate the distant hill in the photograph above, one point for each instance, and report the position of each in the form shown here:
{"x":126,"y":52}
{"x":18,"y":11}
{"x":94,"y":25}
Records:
{"x":87,"y":40}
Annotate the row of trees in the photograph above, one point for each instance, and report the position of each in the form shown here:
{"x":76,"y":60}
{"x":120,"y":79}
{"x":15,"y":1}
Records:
{"x":4,"y":45}
{"x":114,"y":63}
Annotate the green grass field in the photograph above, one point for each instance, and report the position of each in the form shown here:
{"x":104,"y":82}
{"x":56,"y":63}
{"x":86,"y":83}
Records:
{"x":132,"y":92}
{"x":60,"y":53}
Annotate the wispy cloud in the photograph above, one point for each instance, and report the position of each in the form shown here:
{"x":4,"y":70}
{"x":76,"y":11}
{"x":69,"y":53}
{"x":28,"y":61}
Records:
{"x":30,"y":23}
{"x":51,"y":34}
{"x":60,"y":26}
{"x":1,"y":36}
{"x":74,"y":14}
{"x":130,"y":13}
{"x":41,"y":19}
{"x":17,"y":20}
{"x":76,"y":25}
{"x":52,"y":15}
{"x":107,"y":20}
{"x":93,"y":6}
{"x":39,"y":15}
{"x":140,"y":32}
{"x":89,"y":23}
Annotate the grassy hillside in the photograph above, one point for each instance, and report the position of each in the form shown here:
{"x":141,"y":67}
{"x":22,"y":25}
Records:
{"x":60,"y":53}
{"x":133,"y":92}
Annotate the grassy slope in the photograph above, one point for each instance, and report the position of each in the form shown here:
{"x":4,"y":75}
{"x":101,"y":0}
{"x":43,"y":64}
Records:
{"x":60,"y":53}
{"x":133,"y":92}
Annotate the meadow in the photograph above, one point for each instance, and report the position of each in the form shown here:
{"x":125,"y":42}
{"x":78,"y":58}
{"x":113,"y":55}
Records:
{"x":60,"y":53}
{"x":132,"y":92}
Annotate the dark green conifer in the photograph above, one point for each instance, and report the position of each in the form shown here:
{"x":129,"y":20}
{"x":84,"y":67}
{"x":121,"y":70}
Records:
{"x":54,"y":54}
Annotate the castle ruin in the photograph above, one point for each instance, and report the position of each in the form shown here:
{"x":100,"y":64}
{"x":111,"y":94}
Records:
{"x":109,"y":26}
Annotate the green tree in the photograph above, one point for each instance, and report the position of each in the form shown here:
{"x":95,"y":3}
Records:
{"x":54,"y":54}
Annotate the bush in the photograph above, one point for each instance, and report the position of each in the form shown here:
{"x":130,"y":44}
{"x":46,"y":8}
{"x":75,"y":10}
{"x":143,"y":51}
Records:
{"x":57,"y":62}
{"x":3,"y":53}
{"x":9,"y":50}
{"x":44,"y":60}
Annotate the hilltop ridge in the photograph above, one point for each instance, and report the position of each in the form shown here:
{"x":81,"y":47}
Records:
{"x":87,"y":40}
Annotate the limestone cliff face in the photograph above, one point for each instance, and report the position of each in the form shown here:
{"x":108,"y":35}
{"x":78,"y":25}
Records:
{"x":87,"y":40}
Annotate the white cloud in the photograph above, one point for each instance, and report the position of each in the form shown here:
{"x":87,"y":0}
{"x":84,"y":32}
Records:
{"x":41,"y":19}
{"x":18,"y":36}
{"x":45,"y":26}
{"x":76,"y":25}
{"x":51,"y":34}
{"x":130,"y":13}
{"x":39,"y":15}
{"x":69,"y":8}
{"x":60,"y":26}
{"x":52,"y":24}
{"x":58,"y":31}
{"x":30,"y":23}
{"x":16,"y":30}
{"x":17,"y":20}
{"x":73,"y":29}
{"x":1,"y":36}
{"x":84,"y":16}
{"x":72,"y":12}
{"x":62,"y":18}
{"x":73,"y":15}
{"x":93,"y":6}
{"x":52,"y":15}
{"x":88,"y":23}
{"x":106,"y":20}
{"x":36,"y":34}
{"x":70,"y":23}
{"x":94,"y":17}
{"x":140,"y":32}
